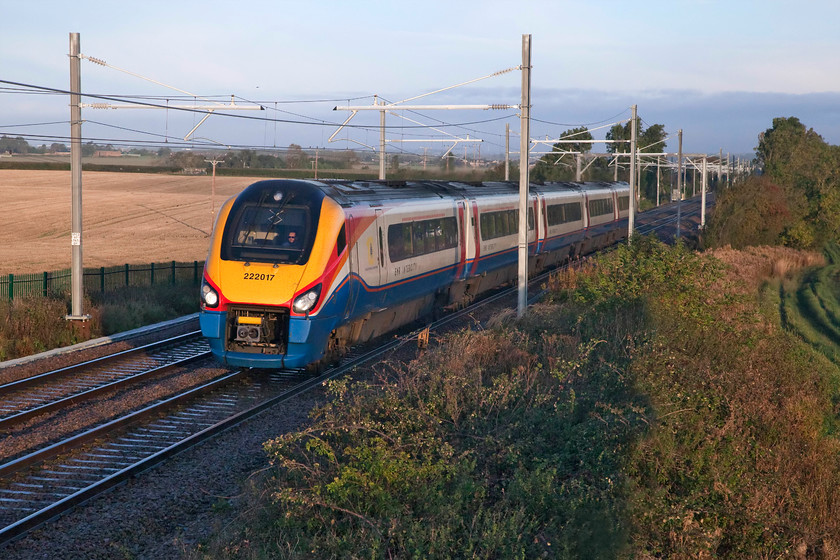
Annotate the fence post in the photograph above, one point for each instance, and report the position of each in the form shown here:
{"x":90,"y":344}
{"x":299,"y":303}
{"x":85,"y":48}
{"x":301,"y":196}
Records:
{"x":102,"y":279}
{"x":126,"y":274}
{"x":195,"y":273}
{"x":46,"y":282}
{"x":173,"y":273}
{"x":11,"y":287}
{"x":153,"y":274}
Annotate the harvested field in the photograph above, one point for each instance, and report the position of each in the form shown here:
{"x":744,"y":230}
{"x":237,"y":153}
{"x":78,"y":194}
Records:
{"x":131,"y":218}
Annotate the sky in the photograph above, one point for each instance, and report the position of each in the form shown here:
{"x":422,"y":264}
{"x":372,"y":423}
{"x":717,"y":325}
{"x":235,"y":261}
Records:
{"x":719,"y":70}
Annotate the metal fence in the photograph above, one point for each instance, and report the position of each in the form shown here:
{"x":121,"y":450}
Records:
{"x":102,"y":279}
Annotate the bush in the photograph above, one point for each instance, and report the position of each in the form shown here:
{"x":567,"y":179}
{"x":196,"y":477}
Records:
{"x":649,"y":409}
{"x":754,"y":212}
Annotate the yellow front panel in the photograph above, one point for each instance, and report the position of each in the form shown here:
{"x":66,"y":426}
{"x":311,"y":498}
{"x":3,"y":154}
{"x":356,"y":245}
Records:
{"x":264,"y":283}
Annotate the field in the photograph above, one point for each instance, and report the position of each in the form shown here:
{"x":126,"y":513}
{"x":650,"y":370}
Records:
{"x":127,"y":218}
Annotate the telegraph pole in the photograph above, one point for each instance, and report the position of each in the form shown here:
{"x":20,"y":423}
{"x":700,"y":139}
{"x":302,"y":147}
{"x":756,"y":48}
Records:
{"x":76,"y":272}
{"x":524,"y":141}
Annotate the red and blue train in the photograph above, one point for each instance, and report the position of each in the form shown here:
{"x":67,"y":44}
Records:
{"x":299,"y":270}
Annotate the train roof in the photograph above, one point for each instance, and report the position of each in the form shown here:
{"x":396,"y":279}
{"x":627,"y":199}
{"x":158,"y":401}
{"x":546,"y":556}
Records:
{"x":356,"y":192}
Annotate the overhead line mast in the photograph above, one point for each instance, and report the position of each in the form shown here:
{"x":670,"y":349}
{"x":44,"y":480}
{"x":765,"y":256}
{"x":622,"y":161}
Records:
{"x":76,"y":270}
{"x":524,"y":144}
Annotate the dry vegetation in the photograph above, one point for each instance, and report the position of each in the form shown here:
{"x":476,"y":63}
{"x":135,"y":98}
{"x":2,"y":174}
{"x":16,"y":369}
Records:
{"x":755,"y":265}
{"x":651,"y":408}
{"x":127,"y":218}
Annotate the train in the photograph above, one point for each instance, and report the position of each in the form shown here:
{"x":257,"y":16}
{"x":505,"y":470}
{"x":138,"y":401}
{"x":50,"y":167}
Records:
{"x":299,"y":270}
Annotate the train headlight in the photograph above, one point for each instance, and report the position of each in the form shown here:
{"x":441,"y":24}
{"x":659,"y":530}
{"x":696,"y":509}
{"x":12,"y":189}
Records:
{"x":209,"y":297}
{"x":307,"y":300}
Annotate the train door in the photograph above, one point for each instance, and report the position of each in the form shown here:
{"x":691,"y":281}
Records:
{"x":534,"y":233}
{"x":465,"y":238}
{"x":352,"y":265}
{"x":379,"y":243}
{"x":367,"y":259}
{"x":475,"y":225}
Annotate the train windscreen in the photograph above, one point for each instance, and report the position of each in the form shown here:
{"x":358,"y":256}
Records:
{"x":269,"y":233}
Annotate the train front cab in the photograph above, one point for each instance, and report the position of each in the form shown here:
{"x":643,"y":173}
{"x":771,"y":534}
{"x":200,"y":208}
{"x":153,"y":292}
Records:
{"x":266,"y":303}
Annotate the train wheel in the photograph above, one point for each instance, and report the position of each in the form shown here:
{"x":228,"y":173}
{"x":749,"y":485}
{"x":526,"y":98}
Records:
{"x":336,"y":350}
{"x":314,"y":369}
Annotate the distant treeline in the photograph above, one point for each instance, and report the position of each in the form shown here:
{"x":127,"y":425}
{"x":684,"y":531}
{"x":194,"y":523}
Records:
{"x":62,"y":166}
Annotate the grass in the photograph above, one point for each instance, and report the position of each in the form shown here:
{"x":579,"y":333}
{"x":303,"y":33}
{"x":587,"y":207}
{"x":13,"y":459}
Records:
{"x":810,"y":305}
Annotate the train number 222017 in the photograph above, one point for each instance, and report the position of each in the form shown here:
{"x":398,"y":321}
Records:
{"x":257,"y":276}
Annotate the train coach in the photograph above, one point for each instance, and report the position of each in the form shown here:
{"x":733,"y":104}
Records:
{"x":299,"y":270}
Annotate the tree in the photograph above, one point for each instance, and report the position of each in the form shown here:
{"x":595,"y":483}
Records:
{"x":650,"y":140}
{"x":187,"y":160}
{"x":348,"y":158}
{"x":559,"y":165}
{"x":755,"y":213}
{"x":806,"y":167}
{"x":14,"y":145}
{"x":296,"y":158}
{"x":776,"y":145}
{"x":620,"y":134}
{"x":797,"y":202}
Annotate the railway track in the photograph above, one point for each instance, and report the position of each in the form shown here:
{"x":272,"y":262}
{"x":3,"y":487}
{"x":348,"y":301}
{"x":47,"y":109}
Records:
{"x":49,"y":481}
{"x":30,"y":397}
{"x":46,"y":482}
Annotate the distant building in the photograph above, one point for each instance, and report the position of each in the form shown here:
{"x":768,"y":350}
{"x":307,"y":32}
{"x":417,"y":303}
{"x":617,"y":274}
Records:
{"x":107,"y":153}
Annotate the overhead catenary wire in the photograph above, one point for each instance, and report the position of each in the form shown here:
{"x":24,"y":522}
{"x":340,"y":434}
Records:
{"x":320,"y":122}
{"x":161,"y":102}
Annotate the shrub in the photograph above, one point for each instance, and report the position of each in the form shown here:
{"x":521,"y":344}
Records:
{"x":754,"y":212}
{"x":649,"y":409}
